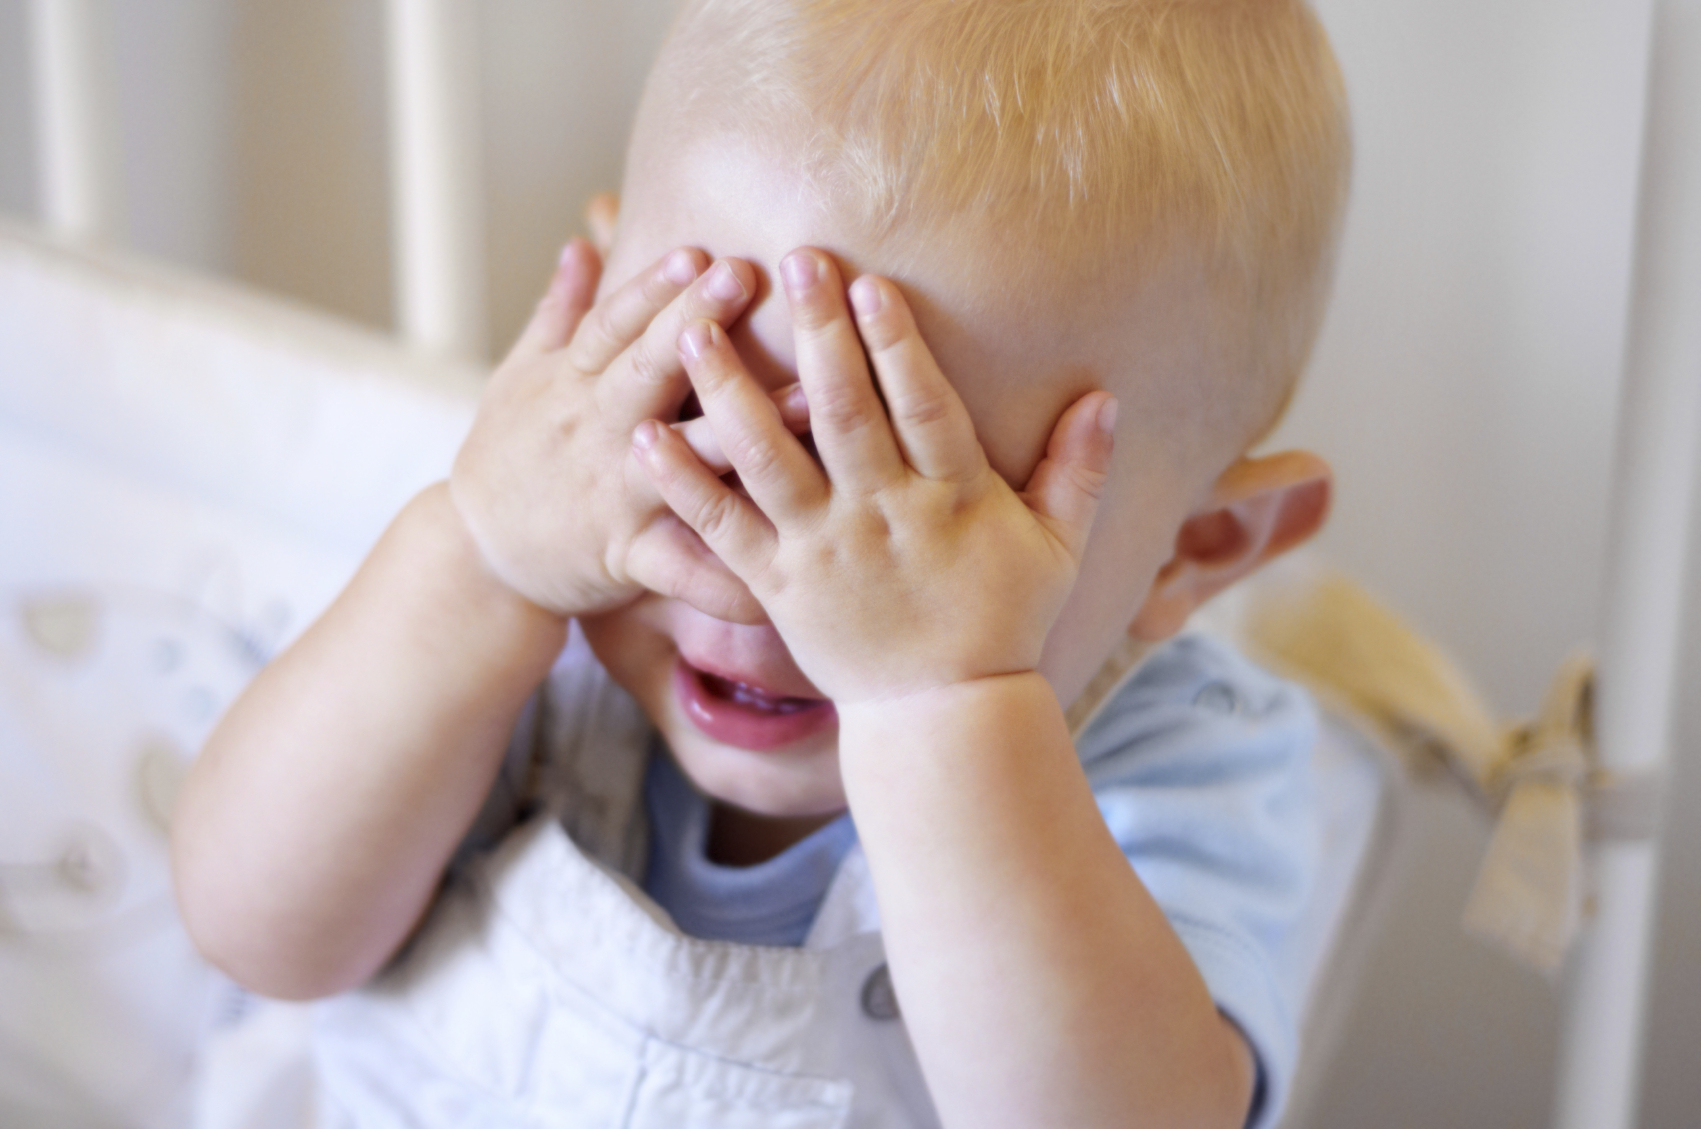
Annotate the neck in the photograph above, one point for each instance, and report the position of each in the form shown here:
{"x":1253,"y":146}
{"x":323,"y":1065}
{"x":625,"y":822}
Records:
{"x":741,"y":838}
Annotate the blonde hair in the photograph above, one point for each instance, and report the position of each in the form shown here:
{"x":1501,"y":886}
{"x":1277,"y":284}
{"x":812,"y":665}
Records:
{"x":1092,"y":126}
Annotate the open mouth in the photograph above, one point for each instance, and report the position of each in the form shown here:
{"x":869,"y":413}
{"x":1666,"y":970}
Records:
{"x":746,"y":715}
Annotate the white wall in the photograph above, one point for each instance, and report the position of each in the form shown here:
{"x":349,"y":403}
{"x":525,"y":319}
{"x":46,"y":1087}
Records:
{"x":1464,"y":387}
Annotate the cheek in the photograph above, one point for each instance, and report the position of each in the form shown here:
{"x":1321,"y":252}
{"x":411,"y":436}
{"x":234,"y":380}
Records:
{"x":1126,"y":551}
{"x":637,"y":652}
{"x":1087,"y":630}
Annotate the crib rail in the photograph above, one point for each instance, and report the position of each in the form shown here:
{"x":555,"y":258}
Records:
{"x":435,"y":168}
{"x":77,"y":180}
{"x":436,"y":198}
{"x":1659,"y":429}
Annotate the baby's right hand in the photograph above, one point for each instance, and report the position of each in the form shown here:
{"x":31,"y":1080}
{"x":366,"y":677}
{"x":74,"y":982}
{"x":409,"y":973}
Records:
{"x":546,"y":482}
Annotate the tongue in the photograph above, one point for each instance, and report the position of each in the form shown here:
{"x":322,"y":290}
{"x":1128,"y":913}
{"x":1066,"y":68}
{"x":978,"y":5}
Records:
{"x":753,"y":697}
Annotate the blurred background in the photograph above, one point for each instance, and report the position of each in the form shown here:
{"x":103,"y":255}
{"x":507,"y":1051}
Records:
{"x":1465,"y":385}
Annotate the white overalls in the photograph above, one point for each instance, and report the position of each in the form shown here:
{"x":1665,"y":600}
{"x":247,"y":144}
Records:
{"x":546,"y":990}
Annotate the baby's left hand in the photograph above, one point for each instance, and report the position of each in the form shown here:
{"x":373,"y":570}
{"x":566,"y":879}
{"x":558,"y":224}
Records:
{"x":902,"y":562}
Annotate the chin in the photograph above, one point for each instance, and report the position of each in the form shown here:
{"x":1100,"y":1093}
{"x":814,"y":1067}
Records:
{"x":791,"y":782}
{"x":744,"y":725}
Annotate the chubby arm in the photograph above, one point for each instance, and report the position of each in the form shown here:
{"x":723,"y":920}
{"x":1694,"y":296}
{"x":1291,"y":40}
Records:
{"x":316,"y":823}
{"x":1024,"y":947}
{"x":1040,"y":982}
{"x":314,"y":828}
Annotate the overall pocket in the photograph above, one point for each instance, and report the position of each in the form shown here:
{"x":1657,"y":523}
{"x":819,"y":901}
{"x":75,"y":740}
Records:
{"x":686,"y":1089}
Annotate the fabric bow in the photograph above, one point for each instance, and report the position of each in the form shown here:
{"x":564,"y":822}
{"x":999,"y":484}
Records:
{"x":1540,"y":779}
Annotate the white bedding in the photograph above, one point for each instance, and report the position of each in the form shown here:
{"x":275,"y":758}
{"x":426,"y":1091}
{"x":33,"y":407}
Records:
{"x":187,"y":475}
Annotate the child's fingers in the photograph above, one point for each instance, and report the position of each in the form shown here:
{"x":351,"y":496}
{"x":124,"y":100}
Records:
{"x":700,"y":435}
{"x":771,"y":464}
{"x":852,"y":434}
{"x":933,"y":428}
{"x":572,"y":290}
{"x":1064,"y":489}
{"x":649,"y":381}
{"x":669,"y":558}
{"x":729,"y":523}
{"x":622,"y":317}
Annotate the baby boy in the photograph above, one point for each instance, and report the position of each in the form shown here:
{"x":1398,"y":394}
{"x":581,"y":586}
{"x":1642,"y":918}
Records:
{"x":921,"y":375}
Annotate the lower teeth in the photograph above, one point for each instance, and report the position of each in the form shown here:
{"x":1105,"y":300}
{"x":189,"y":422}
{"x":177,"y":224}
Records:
{"x":741,"y":694}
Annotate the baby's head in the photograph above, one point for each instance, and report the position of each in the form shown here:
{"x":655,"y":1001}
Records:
{"x":1135,"y":195}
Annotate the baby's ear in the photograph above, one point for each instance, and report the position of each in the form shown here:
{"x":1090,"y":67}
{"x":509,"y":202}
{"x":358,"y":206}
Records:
{"x":1258,"y":510}
{"x":602,"y":212}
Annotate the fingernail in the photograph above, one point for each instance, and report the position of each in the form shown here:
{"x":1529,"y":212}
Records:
{"x":865,"y":296}
{"x":566,"y":253}
{"x":1107,"y":415}
{"x":680,"y":268}
{"x":697,"y":339}
{"x":797,"y":404}
{"x":800,"y":270}
{"x":724,"y":284}
{"x":644,"y":436}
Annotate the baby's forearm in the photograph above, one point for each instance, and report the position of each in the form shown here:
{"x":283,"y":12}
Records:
{"x":313,"y":830}
{"x":1040,"y":982}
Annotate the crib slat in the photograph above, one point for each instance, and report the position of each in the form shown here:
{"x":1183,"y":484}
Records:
{"x":76,"y":171}
{"x":1658,"y":432}
{"x":436,"y":193}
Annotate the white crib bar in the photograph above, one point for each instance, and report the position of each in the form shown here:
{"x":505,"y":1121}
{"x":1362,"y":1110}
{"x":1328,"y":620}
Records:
{"x":74,"y":134}
{"x":436,"y":195}
{"x":1658,"y":431}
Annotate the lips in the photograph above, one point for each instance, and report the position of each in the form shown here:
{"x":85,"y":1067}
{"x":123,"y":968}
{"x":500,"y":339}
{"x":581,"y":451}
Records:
{"x":746,"y":714}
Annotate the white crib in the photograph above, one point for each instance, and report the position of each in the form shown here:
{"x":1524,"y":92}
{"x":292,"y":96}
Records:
{"x":212,"y":465}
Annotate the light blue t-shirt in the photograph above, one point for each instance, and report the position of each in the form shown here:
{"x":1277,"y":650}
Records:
{"x":1201,"y":768}
{"x":772,"y":903}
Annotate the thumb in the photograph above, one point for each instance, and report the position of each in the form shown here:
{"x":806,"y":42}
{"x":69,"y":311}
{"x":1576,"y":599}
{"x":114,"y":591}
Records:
{"x":572,"y":289}
{"x":1064,"y":490}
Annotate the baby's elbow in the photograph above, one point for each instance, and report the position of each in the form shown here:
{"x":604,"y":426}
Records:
{"x":244,"y":940}
{"x":263,"y":961}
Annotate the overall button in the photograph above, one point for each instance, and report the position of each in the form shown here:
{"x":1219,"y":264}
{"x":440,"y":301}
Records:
{"x":1217,"y":698}
{"x":879,"y":1000}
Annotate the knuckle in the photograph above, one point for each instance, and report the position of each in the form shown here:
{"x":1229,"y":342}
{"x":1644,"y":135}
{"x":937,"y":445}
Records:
{"x":876,"y":523}
{"x":1087,"y":480}
{"x":649,"y":369}
{"x":886,"y":330}
{"x":821,"y":321}
{"x":718,"y":517}
{"x":656,"y":291}
{"x":622,"y":327}
{"x":593,"y":341}
{"x":841,"y":406}
{"x":753,"y":456}
{"x":924,"y":407}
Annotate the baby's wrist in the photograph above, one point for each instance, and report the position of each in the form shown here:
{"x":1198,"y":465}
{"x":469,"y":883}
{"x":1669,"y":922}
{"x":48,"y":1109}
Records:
{"x":874,"y":722}
{"x":908,"y":762}
{"x":444,"y":543}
